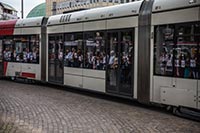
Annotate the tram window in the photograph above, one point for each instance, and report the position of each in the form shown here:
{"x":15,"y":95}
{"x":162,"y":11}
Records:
{"x":177,"y":51}
{"x":26,"y":49}
{"x":95,"y":56}
{"x":163,"y":50}
{"x":126,"y":57}
{"x":73,"y":50}
{"x":34,"y":49}
{"x":8,"y":48}
{"x":186,"y":52}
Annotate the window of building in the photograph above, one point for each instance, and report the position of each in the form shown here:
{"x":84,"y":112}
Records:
{"x":73,"y":49}
{"x":95,"y":56}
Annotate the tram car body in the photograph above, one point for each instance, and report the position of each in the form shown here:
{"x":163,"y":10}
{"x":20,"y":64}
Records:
{"x":145,"y":50}
{"x":21,"y":48}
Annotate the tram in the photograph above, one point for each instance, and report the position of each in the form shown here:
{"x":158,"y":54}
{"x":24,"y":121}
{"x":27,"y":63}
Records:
{"x":21,"y":48}
{"x":148,"y":51}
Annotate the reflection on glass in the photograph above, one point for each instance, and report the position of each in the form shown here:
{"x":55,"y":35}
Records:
{"x":182,"y":58}
{"x":95,"y":56}
{"x":8,"y":48}
{"x":112,"y":56}
{"x":73,"y":50}
{"x":126,"y":59}
{"x":22,"y":49}
{"x":164,"y":50}
{"x":186,"y":52}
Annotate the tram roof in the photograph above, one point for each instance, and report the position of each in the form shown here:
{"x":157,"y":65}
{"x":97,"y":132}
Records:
{"x":166,"y":5}
{"x":127,"y":9}
{"x":29,"y":22}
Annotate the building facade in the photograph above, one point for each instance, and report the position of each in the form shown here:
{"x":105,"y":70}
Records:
{"x":54,"y":7}
{"x":7,"y":12}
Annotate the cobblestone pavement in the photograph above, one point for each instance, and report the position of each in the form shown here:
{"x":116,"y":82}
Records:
{"x":37,"y":109}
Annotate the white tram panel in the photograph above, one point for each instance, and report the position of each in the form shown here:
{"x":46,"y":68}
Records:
{"x":54,"y":25}
{"x":95,"y":19}
{"x":18,"y":25}
{"x":94,"y":80}
{"x":174,"y":11}
{"x":126,"y":15}
{"x":13,"y":69}
{"x":163,"y":87}
{"x":73,"y":77}
{"x":32,"y":26}
{"x":178,"y":97}
{"x":75,"y":22}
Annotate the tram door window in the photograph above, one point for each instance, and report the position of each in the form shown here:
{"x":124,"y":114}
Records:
{"x":1,"y":57}
{"x":120,"y":63}
{"x":56,"y":59}
{"x":126,"y":63}
{"x":112,"y":59}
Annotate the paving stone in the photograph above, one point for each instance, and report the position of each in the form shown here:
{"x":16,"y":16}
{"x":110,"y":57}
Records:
{"x":28,"y":108}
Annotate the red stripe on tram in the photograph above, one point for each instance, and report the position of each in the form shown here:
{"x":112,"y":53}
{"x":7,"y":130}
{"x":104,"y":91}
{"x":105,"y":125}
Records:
{"x":28,"y":75}
{"x":7,"y":27}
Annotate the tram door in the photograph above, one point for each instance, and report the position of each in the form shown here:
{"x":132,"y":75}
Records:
{"x":55,"y":54}
{"x":1,"y":57}
{"x":120,"y":63}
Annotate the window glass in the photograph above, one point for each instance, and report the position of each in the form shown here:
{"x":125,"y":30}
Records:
{"x":197,"y":29}
{"x":34,"y":49}
{"x":186,"y":52}
{"x":126,"y":57}
{"x":8,"y":48}
{"x":112,"y":58}
{"x":95,"y":57}
{"x":21,"y":49}
{"x":26,"y":49}
{"x":164,"y":43}
{"x":52,"y":48}
{"x":177,"y":50}
{"x":73,"y":50}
